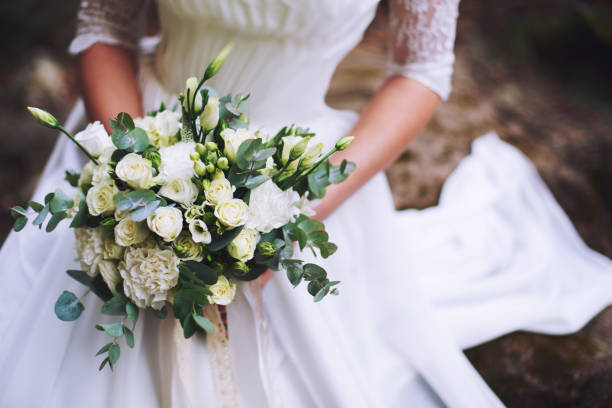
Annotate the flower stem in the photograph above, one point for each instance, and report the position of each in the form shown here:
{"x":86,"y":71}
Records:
{"x":80,"y":146}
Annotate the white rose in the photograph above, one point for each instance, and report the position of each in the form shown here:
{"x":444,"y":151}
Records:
{"x":182,"y":191}
{"x":187,"y":248}
{"x":149,"y":274}
{"x":86,"y":176}
{"x":223,"y":292}
{"x":233,"y":139}
{"x":129,"y":232}
{"x":232,"y":213}
{"x":175,"y":162}
{"x":210,"y":116}
{"x":199,"y":232}
{"x":288,"y":143}
{"x":243,"y":246}
{"x":94,"y":139}
{"x":166,"y":127}
{"x":110,"y":275}
{"x":270,"y":207}
{"x":90,"y":248}
{"x":220,"y":190}
{"x":167,"y":222}
{"x":135,"y":170}
{"x":101,"y":174}
{"x":111,"y":249}
{"x":100,"y":199}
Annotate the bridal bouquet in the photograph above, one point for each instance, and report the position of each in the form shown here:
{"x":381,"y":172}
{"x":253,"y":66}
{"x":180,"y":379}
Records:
{"x":178,"y":206}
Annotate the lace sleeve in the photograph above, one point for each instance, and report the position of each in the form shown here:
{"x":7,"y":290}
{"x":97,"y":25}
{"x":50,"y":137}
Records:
{"x":116,"y":22}
{"x":422,"y":34}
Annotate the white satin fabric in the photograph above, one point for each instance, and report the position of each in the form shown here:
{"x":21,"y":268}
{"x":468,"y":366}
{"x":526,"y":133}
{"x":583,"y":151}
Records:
{"x":497,"y":254}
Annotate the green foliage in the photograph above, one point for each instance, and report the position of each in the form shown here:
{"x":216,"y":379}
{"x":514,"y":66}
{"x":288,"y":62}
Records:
{"x":202,"y":271}
{"x":126,"y":136}
{"x":141,"y":203}
{"x":221,"y":241}
{"x":115,"y":306}
{"x":72,"y":178}
{"x":203,"y":322}
{"x":96,"y":284}
{"x":68,"y":307}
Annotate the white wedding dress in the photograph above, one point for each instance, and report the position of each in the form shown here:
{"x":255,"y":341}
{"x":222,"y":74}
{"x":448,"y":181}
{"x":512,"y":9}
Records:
{"x":496,"y":255}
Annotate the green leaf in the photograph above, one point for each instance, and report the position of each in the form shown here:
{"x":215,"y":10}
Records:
{"x":115,"y":306}
{"x":189,"y":326}
{"x":20,"y":224}
{"x":263,"y":154}
{"x":60,"y":202}
{"x":40,"y":218}
{"x":223,"y":240}
{"x":55,"y":219}
{"x":106,"y":360}
{"x":320,"y":295}
{"x":294,"y":273}
{"x":246,"y":151}
{"x":113,"y":330}
{"x":127,"y":137}
{"x":327,"y":249}
{"x":318,"y":180}
{"x":129,"y":337}
{"x":36,"y":206}
{"x":80,"y":276}
{"x":310,"y":225}
{"x":255,"y":181}
{"x":99,"y":288}
{"x":161,"y":313}
{"x":72,"y":178}
{"x":123,"y":121}
{"x":313,"y":287}
{"x":143,"y":202}
{"x":68,"y":307}
{"x":114,"y":351}
{"x":314,"y":272}
{"x":104,"y":349}
{"x":336,"y":175}
{"x":142,"y":213}
{"x":192,"y":296}
{"x":202,"y":271}
{"x":80,"y":218}
{"x":132,"y":312}
{"x":203,"y":322}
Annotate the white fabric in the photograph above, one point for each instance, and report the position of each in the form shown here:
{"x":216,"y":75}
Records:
{"x":496,"y":255}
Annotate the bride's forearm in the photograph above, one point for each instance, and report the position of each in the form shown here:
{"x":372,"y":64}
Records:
{"x":397,"y":113}
{"x":110,"y":85}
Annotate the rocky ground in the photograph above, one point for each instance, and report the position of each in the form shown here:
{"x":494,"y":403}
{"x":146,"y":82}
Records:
{"x":534,"y":71}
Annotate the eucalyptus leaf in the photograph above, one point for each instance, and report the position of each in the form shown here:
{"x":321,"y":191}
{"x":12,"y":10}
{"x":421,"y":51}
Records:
{"x":80,"y":276}
{"x":142,"y":213}
{"x":204,"y":323}
{"x":132,"y":312}
{"x":72,"y":178}
{"x":189,"y":326}
{"x":223,"y":240}
{"x":255,"y":181}
{"x":310,"y":225}
{"x":115,"y":306}
{"x":54,"y":220}
{"x":68,"y":307}
{"x":314,"y":271}
{"x":20,"y":224}
{"x":113,"y":330}
{"x":294,"y":273}
{"x":60,"y":202}
{"x":320,"y":295}
{"x":104,"y":362}
{"x":114,"y":351}
{"x":40,"y":218}
{"x":35,"y":206}
{"x":104,"y":349}
{"x":202,"y":271}
{"x":129,"y":337}
{"x":80,"y":218}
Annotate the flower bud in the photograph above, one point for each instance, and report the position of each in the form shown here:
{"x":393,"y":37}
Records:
{"x":200,"y":149}
{"x":266,"y":248}
{"x":289,"y":171}
{"x":195,"y":156}
{"x":311,"y":157}
{"x":240,"y":268}
{"x":210,"y":116}
{"x":210,"y":168}
{"x":223,"y":163}
{"x":212,"y":146}
{"x":299,"y":148}
{"x":199,"y":168}
{"x":216,"y":64}
{"x":44,"y":117}
{"x":205,"y":184}
{"x":154,"y":157}
{"x":344,"y":142}
{"x":211,"y":158}
{"x":190,"y":90}
{"x":108,"y":223}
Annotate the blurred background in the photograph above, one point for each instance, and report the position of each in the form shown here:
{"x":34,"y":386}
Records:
{"x":535,"y":71}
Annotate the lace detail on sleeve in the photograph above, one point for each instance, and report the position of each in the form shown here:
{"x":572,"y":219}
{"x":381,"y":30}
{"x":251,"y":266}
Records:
{"x":422,"y":35}
{"x":115,"y":22}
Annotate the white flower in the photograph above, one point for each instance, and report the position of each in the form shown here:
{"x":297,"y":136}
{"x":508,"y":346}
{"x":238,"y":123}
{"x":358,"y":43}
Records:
{"x":233,"y":139}
{"x":190,"y":88}
{"x":210,"y":116}
{"x":90,"y":248}
{"x":94,"y":139}
{"x":111,"y":249}
{"x":101,"y":174}
{"x":135,"y":170}
{"x":306,"y":207}
{"x":149,"y":274}
{"x":270,"y":207}
{"x":166,"y":127}
{"x":232,"y":213}
{"x":167,"y":222}
{"x":288,"y":143}
{"x":175,"y":162}
{"x":86,"y":176}
{"x":110,"y":275}
{"x":270,"y":168}
{"x":188,"y":249}
{"x":194,"y":211}
{"x":243,"y":246}
{"x":199,"y":232}
{"x":100,"y":199}
{"x":219,"y":190}
{"x":223,"y":292}
{"x":182,"y":191}
{"x":129,"y":232}
{"x":147,"y":124}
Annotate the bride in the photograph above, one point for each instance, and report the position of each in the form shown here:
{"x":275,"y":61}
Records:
{"x":496,"y":255}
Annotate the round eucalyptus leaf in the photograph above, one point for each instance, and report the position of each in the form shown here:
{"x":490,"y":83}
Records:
{"x":68,"y":307}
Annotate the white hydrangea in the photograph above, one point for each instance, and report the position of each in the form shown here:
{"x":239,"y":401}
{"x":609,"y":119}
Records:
{"x":89,"y":245}
{"x":149,"y":274}
{"x":270,"y":207}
